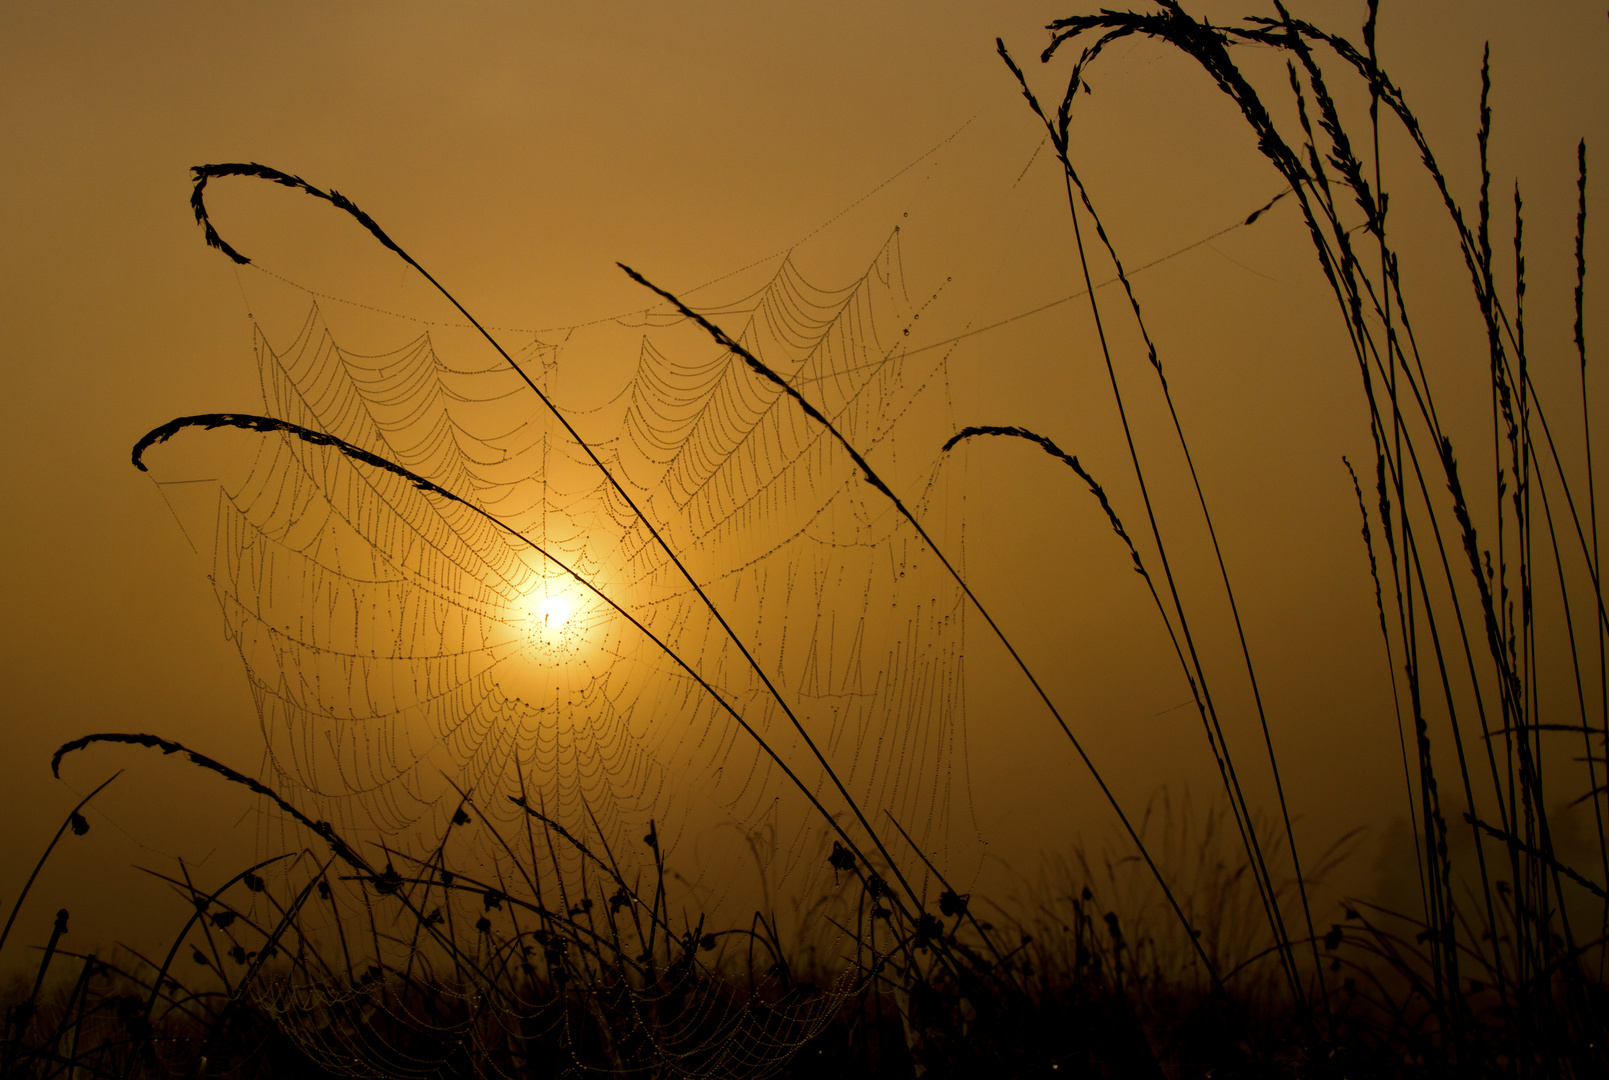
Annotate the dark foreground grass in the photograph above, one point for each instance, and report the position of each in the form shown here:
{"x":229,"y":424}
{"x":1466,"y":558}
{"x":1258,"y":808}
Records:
{"x":310,"y":965}
{"x":1200,"y":955}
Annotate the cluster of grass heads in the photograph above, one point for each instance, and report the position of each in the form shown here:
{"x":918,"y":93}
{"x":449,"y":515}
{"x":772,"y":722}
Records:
{"x":355,"y":964}
{"x":1499,"y":971}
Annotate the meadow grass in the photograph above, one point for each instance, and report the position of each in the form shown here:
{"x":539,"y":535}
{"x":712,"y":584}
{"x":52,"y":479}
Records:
{"x":1193,"y":951}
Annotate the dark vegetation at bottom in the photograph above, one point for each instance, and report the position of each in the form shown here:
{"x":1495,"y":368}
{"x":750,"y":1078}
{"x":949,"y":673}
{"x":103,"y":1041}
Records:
{"x":302,"y":966}
{"x":1058,"y":1022}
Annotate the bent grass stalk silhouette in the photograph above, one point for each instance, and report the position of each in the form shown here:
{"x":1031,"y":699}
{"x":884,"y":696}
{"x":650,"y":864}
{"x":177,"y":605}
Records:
{"x":322,"y":829}
{"x":1099,"y":492}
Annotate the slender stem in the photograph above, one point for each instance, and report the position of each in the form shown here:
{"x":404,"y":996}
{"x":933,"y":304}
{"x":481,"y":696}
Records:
{"x":72,"y":819}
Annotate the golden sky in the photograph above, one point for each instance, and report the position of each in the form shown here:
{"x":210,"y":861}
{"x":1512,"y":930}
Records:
{"x":520,"y":150}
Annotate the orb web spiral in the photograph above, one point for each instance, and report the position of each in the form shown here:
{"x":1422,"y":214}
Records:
{"x":403,"y":650}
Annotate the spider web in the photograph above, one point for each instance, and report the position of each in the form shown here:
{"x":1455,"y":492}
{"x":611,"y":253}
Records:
{"x":403,"y":651}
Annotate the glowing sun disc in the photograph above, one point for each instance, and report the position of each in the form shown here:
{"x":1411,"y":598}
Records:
{"x":555,"y":612}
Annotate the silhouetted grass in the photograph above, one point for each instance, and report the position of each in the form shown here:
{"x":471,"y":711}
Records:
{"x":1210,"y":962}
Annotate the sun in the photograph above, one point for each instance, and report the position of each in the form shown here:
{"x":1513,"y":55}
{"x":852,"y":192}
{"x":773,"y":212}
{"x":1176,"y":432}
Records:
{"x":554,"y":611}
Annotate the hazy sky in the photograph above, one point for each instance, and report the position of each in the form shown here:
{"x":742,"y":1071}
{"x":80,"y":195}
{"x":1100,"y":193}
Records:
{"x":520,"y":150}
